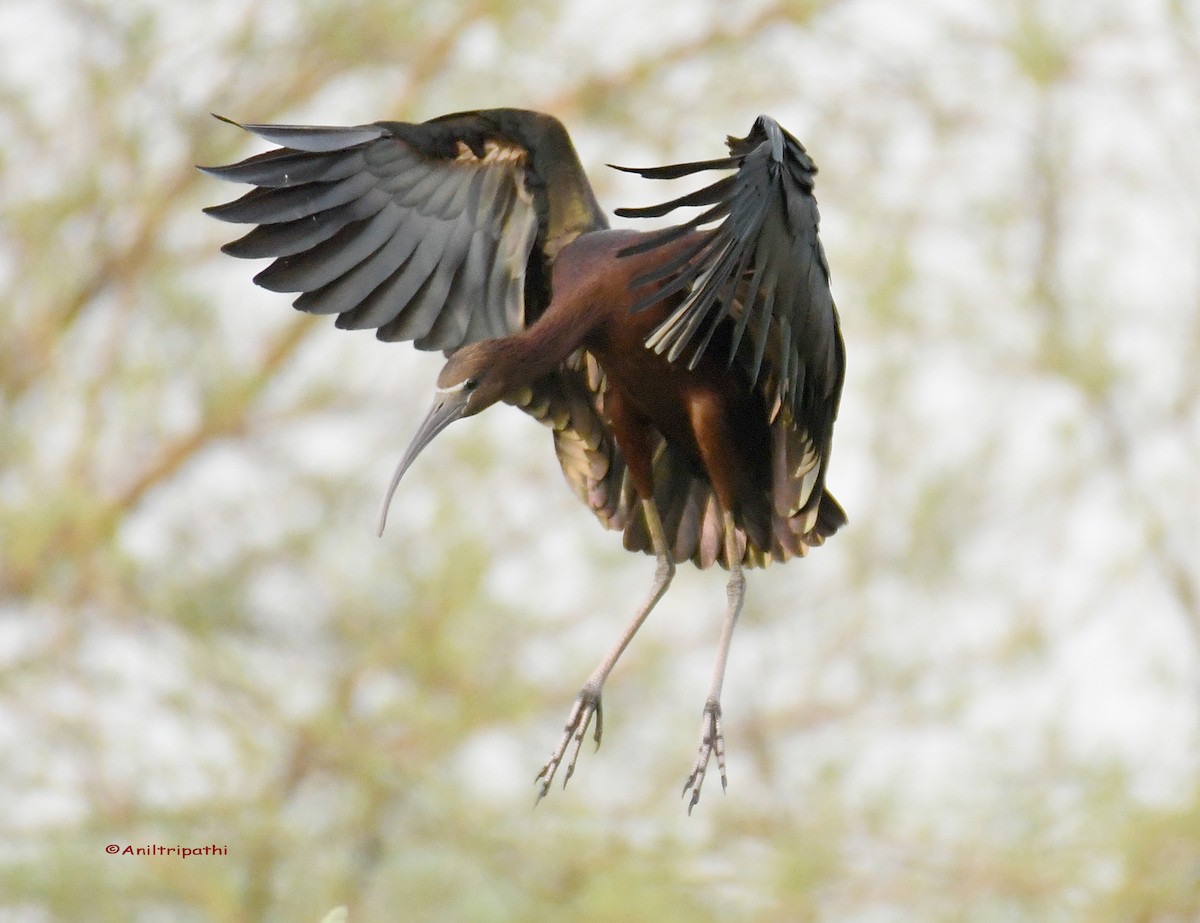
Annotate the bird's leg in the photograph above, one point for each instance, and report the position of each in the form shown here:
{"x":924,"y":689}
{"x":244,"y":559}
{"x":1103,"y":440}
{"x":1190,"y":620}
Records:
{"x":587,"y":703}
{"x":711,"y":739}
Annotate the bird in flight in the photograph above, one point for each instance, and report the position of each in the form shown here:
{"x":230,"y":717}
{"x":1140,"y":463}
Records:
{"x":691,"y":375}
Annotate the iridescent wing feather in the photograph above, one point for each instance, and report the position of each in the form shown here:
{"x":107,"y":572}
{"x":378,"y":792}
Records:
{"x":760,"y":273}
{"x":439,"y":232}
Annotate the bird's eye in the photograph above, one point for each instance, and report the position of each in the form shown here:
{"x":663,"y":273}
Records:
{"x":470,"y":384}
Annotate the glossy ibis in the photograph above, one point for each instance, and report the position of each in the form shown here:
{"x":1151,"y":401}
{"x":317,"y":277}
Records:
{"x":691,"y":375}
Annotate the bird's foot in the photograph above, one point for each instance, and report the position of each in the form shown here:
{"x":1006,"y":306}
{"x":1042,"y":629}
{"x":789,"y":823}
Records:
{"x":587,"y":706}
{"x":711,"y":741}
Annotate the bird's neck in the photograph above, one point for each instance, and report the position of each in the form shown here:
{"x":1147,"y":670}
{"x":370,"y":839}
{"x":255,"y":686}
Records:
{"x":591,"y":286}
{"x":541,"y":348}
{"x":578,"y":308}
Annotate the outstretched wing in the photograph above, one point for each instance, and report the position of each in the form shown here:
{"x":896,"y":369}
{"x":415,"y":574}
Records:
{"x":441,"y":232}
{"x":763,"y":266}
{"x":760,"y":276}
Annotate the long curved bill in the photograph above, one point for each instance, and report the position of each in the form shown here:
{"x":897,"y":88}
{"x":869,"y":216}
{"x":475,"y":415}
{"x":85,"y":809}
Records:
{"x":447,"y":407}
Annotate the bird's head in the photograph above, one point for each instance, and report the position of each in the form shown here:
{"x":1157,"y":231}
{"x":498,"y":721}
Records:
{"x":475,"y":377}
{"x":471,"y":380}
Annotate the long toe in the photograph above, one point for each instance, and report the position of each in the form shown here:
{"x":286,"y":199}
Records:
{"x":712,"y":741}
{"x":587,"y":706}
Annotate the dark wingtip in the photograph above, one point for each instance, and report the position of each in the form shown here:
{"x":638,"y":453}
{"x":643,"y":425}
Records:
{"x":830,"y":516}
{"x":774,"y":135}
{"x":216,"y":171}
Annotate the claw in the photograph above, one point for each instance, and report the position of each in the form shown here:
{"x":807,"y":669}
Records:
{"x":712,"y":740}
{"x":587,"y":705}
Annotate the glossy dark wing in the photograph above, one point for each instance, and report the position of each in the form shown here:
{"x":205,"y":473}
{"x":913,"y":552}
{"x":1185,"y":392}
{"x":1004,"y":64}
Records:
{"x":761,"y":276}
{"x":763,"y":266}
{"x":440,"y":232}
{"x":568,"y":401}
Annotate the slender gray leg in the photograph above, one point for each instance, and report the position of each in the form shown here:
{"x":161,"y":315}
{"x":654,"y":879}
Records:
{"x":711,"y":739}
{"x":587,"y":703}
